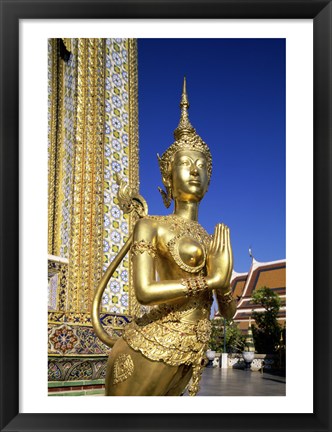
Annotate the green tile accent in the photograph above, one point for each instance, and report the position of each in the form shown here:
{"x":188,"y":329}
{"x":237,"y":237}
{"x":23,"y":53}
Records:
{"x":54,"y":384}
{"x":70,"y":393}
{"x":72,"y":383}
{"x":94,"y":392}
{"x":94,"y":382}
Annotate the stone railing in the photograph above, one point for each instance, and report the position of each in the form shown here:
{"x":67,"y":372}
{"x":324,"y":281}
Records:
{"x":235,"y":361}
{"x":268,"y":361}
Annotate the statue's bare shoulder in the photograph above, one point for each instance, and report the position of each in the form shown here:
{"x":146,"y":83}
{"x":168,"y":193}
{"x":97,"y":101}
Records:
{"x":146,"y":228}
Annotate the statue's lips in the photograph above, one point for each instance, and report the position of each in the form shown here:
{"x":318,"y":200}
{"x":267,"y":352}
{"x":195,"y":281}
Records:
{"x":194,"y":182}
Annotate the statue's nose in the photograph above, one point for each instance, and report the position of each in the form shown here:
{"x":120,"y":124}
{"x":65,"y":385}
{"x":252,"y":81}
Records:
{"x":194,"y":170}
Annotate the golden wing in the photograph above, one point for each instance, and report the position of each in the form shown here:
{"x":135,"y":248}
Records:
{"x":129,"y":200}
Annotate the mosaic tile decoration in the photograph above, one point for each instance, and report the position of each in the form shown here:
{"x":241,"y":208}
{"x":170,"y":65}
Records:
{"x":68,"y":336}
{"x":73,"y":369}
{"x":78,"y":340}
{"x":57,"y":284}
{"x":116,"y":295}
{"x":52,"y":292}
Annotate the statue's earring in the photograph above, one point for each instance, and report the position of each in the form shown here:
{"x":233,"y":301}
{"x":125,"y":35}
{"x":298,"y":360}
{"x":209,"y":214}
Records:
{"x":165,"y":196}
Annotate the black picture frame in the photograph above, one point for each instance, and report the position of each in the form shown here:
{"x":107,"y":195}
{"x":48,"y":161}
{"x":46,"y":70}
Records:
{"x":11,"y":12}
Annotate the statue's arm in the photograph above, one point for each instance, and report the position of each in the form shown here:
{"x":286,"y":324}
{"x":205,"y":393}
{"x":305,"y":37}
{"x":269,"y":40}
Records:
{"x":226,"y":304}
{"x":220,"y":267}
{"x":148,"y":290}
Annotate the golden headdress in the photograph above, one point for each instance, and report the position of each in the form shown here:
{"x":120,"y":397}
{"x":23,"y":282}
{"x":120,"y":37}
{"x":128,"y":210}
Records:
{"x":185,"y":138}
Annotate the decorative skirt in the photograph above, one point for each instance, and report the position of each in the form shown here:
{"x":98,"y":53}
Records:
{"x":173,"y":342}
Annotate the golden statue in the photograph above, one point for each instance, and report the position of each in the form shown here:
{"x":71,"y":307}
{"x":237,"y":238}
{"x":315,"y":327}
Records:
{"x":177,"y":266}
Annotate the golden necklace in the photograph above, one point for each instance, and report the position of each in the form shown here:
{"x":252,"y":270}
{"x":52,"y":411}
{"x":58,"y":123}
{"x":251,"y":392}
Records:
{"x":190,"y":234}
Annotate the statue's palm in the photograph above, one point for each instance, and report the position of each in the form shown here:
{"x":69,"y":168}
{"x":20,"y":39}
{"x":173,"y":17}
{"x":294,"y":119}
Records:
{"x":220,"y":258}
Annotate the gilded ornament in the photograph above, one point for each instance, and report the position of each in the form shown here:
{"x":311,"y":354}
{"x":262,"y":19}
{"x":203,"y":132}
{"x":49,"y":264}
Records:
{"x":195,"y":285}
{"x":143,"y":246}
{"x":203,"y":330}
{"x":52,"y":133}
{"x":67,"y":43}
{"x":226,"y":298}
{"x":123,"y":368}
{"x":129,"y":200}
{"x":166,"y":196}
{"x":86,"y":242}
{"x":185,"y":138}
{"x":134,"y":306}
{"x":184,"y":229}
{"x":56,"y":143}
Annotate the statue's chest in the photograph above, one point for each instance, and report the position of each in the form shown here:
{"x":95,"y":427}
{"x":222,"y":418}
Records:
{"x":187,"y":243}
{"x":188,"y":252}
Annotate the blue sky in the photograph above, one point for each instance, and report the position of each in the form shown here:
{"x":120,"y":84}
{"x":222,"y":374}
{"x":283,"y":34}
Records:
{"x":236,"y":90}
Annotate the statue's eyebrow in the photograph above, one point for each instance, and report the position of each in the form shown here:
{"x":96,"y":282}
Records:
{"x":184,"y":157}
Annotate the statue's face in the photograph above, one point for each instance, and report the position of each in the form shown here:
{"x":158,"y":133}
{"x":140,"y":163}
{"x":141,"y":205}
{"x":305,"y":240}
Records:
{"x":189,"y":176}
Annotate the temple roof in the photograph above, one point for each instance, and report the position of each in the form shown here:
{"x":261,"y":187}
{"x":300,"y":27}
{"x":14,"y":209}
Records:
{"x":270,"y":274}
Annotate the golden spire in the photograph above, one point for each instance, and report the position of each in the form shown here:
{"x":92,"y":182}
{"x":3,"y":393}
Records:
{"x":184,"y":126}
{"x":185,"y":138}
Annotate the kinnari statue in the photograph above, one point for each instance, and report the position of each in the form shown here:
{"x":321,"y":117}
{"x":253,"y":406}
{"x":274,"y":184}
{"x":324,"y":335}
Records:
{"x":177,"y":266}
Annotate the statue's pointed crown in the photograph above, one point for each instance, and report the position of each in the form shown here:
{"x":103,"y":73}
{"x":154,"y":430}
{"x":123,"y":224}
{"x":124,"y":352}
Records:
{"x":185,"y":138}
{"x":184,"y":126}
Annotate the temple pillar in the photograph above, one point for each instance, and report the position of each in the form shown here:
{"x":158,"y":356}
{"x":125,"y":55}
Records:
{"x":92,"y":136}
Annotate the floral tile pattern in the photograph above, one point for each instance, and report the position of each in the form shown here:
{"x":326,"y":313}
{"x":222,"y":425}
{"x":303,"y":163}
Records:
{"x":115,"y":298}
